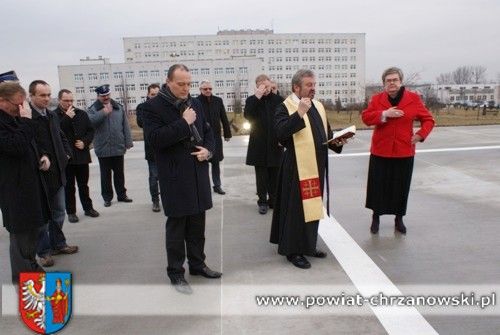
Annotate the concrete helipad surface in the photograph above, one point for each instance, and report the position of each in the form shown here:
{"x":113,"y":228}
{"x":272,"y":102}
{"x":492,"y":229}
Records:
{"x":120,"y":283}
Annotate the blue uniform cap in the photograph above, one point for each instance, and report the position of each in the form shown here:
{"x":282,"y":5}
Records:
{"x":8,"y":76}
{"x":102,"y":90}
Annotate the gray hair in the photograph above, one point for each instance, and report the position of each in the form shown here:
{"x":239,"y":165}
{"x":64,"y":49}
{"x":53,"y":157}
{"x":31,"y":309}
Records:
{"x":299,"y":75}
{"x":392,"y":70}
{"x":205,"y":81}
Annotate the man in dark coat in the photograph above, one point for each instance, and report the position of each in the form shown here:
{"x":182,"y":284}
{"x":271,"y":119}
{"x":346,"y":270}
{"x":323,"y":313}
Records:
{"x":76,"y":126}
{"x":154,"y":188}
{"x":183,"y":142}
{"x":264,"y":151}
{"x":56,"y":152}
{"x":302,"y":127}
{"x":215,"y":114}
{"x":23,"y":200}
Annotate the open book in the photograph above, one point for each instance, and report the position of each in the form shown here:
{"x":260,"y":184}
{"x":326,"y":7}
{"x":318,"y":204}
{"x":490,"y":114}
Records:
{"x":343,"y":134}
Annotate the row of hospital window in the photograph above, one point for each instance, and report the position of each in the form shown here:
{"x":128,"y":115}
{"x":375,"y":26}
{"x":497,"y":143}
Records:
{"x":174,"y":44}
{"x":313,"y":59}
{"x":156,"y":73}
{"x":311,"y":67}
{"x":154,"y":54}
{"x":217,"y":71}
{"x":217,"y":83}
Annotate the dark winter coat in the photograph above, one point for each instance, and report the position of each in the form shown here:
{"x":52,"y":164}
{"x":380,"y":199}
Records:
{"x":23,"y":198}
{"x":263,"y":147}
{"x":148,"y":150}
{"x":184,"y":182}
{"x":215,"y":114}
{"x":52,"y":142}
{"x":77,"y":128}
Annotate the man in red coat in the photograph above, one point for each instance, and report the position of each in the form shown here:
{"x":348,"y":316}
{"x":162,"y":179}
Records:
{"x":392,"y":112}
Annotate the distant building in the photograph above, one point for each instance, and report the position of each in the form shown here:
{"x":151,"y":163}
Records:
{"x":463,"y":93}
{"x":231,"y":59}
{"x":129,"y":81}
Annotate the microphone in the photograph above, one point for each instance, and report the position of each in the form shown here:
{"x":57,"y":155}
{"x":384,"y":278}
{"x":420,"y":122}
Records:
{"x":194,"y":131}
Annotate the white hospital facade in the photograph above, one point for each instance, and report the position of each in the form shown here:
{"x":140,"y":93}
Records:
{"x":231,"y":60}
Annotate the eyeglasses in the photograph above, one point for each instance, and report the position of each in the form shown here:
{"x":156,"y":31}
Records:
{"x":395,"y":80}
{"x":206,"y":89}
{"x":67,"y":100}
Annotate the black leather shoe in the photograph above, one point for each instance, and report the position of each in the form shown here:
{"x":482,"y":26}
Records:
{"x":319,"y":254}
{"x":73,"y":218}
{"x":219,"y":190}
{"x":299,"y":261}
{"x":399,"y":225}
{"x":156,"y":206}
{"x":205,"y":272}
{"x":92,"y":213}
{"x":180,"y":284}
{"x":375,"y":225}
{"x":263,"y":209}
{"x":125,"y":199}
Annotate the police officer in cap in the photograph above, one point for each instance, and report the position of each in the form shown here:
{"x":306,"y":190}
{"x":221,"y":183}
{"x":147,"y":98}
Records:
{"x":112,"y":139}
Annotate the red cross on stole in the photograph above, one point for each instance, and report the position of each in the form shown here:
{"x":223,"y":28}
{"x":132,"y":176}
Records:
{"x":310,"y":188}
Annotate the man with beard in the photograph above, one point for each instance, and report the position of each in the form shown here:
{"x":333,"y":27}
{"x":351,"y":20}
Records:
{"x":264,"y":152}
{"x":215,"y":114}
{"x":23,"y":200}
{"x":183,"y":143}
{"x":76,"y":126}
{"x":302,"y":127}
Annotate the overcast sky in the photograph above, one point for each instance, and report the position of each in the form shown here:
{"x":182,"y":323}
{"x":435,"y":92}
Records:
{"x":427,"y":37}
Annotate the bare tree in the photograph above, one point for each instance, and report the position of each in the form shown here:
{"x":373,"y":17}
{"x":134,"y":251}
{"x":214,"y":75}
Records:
{"x":462,"y":75}
{"x":411,"y":79}
{"x":445,"y":78}
{"x":478,"y":74}
{"x":431,"y":99}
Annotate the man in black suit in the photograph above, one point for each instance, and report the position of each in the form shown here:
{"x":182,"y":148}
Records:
{"x":183,"y":143}
{"x":23,"y":200}
{"x":264,"y":151}
{"x":215,"y":114}
{"x":55,"y":153}
{"x":79,"y":132}
{"x":154,"y":189}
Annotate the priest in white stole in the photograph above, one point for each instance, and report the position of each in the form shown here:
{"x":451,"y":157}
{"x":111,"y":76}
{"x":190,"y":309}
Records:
{"x":302,"y":128}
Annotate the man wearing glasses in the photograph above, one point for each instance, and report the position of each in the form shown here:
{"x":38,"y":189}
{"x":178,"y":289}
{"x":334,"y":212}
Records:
{"x":215,"y":113}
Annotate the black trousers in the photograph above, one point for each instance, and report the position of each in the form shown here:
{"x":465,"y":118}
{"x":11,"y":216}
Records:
{"x":80,"y":173}
{"x":181,"y":234}
{"x":22,"y":254}
{"x":266,"y":184}
{"x":215,"y":173}
{"x":107,"y":165}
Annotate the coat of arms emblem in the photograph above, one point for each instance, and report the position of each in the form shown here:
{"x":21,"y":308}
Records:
{"x":45,"y":300}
